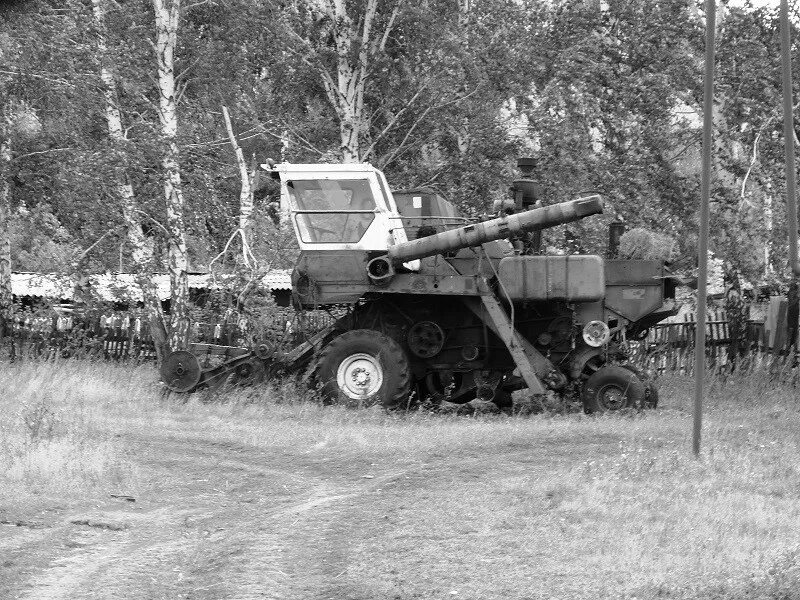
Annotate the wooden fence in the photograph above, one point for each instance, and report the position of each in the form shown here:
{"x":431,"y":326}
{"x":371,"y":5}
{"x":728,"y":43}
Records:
{"x":670,"y":346}
{"x":667,"y":347}
{"x":124,"y":337}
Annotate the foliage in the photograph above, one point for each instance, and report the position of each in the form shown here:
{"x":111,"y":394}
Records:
{"x":606,"y":96}
{"x":642,"y":244}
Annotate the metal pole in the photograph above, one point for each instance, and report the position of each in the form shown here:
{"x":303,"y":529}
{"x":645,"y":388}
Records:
{"x":788,"y":138}
{"x":702,"y":251}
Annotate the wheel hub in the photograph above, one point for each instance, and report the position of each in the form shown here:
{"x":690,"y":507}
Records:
{"x":612,"y":397}
{"x":360,"y":376}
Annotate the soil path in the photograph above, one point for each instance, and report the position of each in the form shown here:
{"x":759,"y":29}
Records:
{"x":224,"y":521}
{"x":229,"y":521}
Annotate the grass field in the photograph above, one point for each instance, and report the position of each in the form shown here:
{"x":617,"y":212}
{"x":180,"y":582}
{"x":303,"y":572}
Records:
{"x":295,"y":500}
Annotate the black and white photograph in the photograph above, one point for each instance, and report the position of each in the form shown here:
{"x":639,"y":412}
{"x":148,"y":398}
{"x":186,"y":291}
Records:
{"x":399,"y":300}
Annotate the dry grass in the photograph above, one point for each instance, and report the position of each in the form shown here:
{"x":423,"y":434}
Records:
{"x":54,"y":445}
{"x":548,"y":506}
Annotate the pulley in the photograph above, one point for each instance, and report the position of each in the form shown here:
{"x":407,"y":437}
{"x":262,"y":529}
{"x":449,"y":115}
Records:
{"x":425,"y":339}
{"x":559,"y":330}
{"x":181,"y":371}
{"x":446,"y":385}
{"x":596,"y":333}
{"x":248,"y":372}
{"x":264,"y":351}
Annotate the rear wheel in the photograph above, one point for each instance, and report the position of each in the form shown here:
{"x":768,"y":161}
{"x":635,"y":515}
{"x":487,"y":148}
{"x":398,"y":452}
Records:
{"x":363,"y":367}
{"x":613,"y":388}
{"x":650,"y":387}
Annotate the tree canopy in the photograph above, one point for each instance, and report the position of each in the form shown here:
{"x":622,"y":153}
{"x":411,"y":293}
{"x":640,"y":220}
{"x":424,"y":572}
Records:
{"x":438,"y":93}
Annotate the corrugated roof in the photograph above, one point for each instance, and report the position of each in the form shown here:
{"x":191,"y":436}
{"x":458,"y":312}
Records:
{"x":46,"y":285}
{"x":123,"y":286}
{"x":278,"y":279}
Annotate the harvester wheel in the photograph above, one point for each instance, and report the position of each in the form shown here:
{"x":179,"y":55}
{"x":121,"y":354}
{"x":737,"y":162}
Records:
{"x":613,"y":388}
{"x":650,"y":387}
{"x":363,"y":367}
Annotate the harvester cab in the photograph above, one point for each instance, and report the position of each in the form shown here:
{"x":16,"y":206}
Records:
{"x":438,"y":307}
{"x":339,"y":207}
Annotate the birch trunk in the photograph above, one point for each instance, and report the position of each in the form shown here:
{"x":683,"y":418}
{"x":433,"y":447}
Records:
{"x":463,"y":138}
{"x":6,"y":295}
{"x":354,"y":49}
{"x":246,"y":190}
{"x":166,"y":17}
{"x":141,"y":247}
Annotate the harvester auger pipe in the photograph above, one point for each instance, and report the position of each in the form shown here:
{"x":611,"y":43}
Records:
{"x":496,"y":229}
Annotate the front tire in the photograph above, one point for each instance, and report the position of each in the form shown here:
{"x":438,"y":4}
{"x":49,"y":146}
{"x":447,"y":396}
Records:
{"x":363,"y":367}
{"x":613,"y":388}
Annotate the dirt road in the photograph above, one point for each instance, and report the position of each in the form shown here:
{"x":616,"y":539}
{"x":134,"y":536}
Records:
{"x":425,"y":509}
{"x":223,"y":521}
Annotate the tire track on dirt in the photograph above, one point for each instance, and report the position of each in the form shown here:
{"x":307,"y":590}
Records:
{"x":227,"y":524}
{"x":283,"y":560}
{"x":149,"y":558}
{"x":209,"y":498}
{"x":91,"y":552}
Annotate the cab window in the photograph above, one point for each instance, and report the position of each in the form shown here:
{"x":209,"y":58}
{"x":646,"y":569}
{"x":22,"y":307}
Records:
{"x":332,"y":211}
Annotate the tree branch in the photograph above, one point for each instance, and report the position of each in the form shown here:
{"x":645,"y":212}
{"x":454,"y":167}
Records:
{"x":158,"y":223}
{"x":394,"y":120}
{"x":21,"y":156}
{"x":389,"y":26}
{"x":394,"y":154}
{"x":85,"y":253}
{"x":3,"y":71}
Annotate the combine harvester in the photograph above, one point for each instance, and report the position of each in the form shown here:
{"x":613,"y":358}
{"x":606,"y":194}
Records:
{"x":444,"y":308}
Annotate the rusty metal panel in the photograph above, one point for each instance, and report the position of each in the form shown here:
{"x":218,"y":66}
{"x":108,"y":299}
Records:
{"x":635,"y":288}
{"x":330,"y":277}
{"x":574,"y":278}
{"x":333,"y":266}
{"x":625,"y":272}
{"x":448,"y":285}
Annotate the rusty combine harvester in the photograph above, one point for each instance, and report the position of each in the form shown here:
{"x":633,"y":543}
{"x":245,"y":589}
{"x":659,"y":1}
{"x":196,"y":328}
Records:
{"x":442,"y":308}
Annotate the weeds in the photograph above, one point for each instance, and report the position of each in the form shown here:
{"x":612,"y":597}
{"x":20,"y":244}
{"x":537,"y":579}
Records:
{"x":53,"y":442}
{"x":40,"y":420}
{"x":616,"y":501}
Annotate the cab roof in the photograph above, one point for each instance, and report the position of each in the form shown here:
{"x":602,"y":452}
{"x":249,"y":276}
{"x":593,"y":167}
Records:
{"x":289,"y":168}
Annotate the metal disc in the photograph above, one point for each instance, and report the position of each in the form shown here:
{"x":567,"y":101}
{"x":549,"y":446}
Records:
{"x":249,"y":372}
{"x":264,"y":351}
{"x":426,"y":339}
{"x":181,"y":371}
{"x":444,"y":385}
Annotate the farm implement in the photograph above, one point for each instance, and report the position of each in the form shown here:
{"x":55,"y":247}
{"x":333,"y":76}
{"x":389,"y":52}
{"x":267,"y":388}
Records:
{"x":437,"y":307}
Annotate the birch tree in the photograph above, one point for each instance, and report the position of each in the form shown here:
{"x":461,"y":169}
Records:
{"x":167,"y":13}
{"x":341,"y":44}
{"x":141,"y":246}
{"x":6,"y":296}
{"x":245,"y":193}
